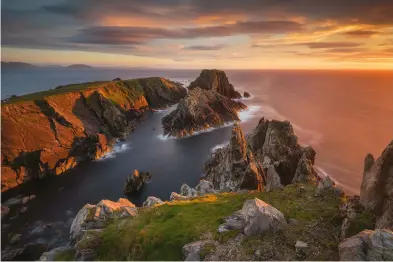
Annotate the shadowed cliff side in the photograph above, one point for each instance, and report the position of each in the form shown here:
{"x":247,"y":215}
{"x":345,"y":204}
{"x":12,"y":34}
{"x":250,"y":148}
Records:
{"x":47,"y":133}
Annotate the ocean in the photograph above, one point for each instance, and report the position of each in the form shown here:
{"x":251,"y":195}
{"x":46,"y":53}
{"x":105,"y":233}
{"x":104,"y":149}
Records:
{"x":343,"y":115}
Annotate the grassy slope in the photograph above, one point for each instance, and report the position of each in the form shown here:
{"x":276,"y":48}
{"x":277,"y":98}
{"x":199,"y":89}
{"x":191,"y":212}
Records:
{"x":159,"y":233}
{"x":134,"y":84}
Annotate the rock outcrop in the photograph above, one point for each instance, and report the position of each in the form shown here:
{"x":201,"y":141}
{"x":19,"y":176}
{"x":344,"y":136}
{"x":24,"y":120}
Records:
{"x":152,"y":201}
{"x":368,"y":245}
{"x":200,"y":110}
{"x":135,"y":181}
{"x":215,"y":80}
{"x":272,"y":151}
{"x":376,"y":192}
{"x":234,"y":167}
{"x":94,"y":216}
{"x":50,"y":132}
{"x":246,"y":95}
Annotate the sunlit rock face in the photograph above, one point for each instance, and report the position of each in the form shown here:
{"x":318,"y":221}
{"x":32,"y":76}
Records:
{"x":215,"y":80}
{"x":200,"y":110}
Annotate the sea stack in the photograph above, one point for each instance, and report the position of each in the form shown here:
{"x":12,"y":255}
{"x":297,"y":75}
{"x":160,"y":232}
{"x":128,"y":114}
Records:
{"x":215,"y":80}
{"x":200,"y":110}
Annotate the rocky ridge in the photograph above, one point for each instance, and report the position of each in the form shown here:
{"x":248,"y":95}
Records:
{"x":50,"y":132}
{"x":271,"y":155}
{"x":200,"y":110}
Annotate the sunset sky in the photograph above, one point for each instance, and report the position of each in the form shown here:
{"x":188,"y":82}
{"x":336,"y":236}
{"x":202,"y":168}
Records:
{"x":241,"y":34}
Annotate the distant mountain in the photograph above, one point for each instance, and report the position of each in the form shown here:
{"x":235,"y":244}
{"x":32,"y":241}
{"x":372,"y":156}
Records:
{"x":79,"y":66}
{"x":14,"y":65}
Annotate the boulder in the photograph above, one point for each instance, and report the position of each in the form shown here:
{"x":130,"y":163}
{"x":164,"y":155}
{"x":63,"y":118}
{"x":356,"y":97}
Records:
{"x":201,"y":110}
{"x":135,"y":181}
{"x":205,"y":187}
{"x":246,"y":94}
{"x":177,"y":197}
{"x":325,"y":184}
{"x":234,"y":167}
{"x":233,"y":222}
{"x":94,"y":216}
{"x":152,"y":201}
{"x":368,"y":245}
{"x":215,"y":80}
{"x":194,"y":248}
{"x":304,"y":171}
{"x":376,"y":191}
{"x":272,"y":180}
{"x":187,"y":191}
{"x":260,"y":217}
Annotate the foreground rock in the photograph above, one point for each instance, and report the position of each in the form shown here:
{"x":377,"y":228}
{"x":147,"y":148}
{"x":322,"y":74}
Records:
{"x":256,"y":216}
{"x":376,"y":192}
{"x":51,"y":255}
{"x":135,"y":181}
{"x":94,"y":216}
{"x":191,"y":251}
{"x":368,"y":245}
{"x":234,"y":167}
{"x":215,"y":80}
{"x":200,"y":110}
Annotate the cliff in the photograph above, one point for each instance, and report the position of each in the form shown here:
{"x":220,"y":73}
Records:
{"x":200,"y":110}
{"x":215,"y":80}
{"x":47,"y":133}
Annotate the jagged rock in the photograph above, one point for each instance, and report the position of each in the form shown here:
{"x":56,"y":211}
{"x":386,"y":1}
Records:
{"x":135,"y":181}
{"x":368,"y":245}
{"x":215,"y":80}
{"x":304,"y":171}
{"x":205,"y":187}
{"x":234,"y":167}
{"x":193,"y":257}
{"x":91,"y":216}
{"x":51,"y":255}
{"x":246,"y":95}
{"x":195,"y":247}
{"x":325,"y":184}
{"x":272,"y":179}
{"x":177,"y":197}
{"x":200,"y":110}
{"x":187,"y":191}
{"x":275,"y":141}
{"x":233,"y":222}
{"x":377,"y":187}
{"x":152,"y":201}
{"x":260,"y":217}
{"x":86,"y":248}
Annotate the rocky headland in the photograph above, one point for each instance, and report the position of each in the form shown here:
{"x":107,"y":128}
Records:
{"x":208,"y":104}
{"x":49,"y":132}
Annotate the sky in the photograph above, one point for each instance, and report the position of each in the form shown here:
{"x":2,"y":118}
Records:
{"x":187,"y":34}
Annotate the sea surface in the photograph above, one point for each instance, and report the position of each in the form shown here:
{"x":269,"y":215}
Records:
{"x":342,"y":114}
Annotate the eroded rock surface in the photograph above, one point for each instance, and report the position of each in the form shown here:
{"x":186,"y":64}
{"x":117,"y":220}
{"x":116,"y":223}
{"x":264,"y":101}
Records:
{"x":376,"y":192}
{"x":215,"y":80}
{"x":200,"y":110}
{"x":368,"y":245}
{"x":234,"y":167}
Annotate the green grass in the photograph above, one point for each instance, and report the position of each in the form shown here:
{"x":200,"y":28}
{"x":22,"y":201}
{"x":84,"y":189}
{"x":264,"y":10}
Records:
{"x":159,"y":233}
{"x":68,"y":255}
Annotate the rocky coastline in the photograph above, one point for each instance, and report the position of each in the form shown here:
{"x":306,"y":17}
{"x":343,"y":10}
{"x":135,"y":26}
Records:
{"x":259,"y":199}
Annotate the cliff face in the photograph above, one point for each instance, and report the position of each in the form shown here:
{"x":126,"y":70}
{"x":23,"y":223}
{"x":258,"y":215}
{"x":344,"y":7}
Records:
{"x":49,"y":134}
{"x":200,"y":110}
{"x":215,"y":80}
{"x":271,"y":151}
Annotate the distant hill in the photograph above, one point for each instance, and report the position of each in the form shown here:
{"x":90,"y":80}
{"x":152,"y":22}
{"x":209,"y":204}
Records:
{"x":79,"y":66}
{"x":19,"y":65}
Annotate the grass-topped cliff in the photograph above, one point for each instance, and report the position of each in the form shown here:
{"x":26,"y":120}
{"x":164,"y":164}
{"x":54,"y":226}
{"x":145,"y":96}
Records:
{"x":160,"y":232}
{"x":51,"y":131}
